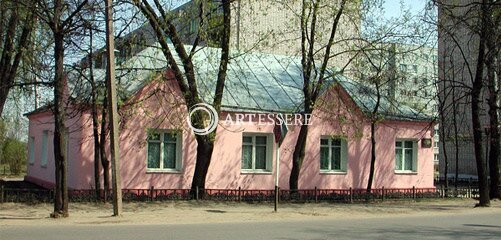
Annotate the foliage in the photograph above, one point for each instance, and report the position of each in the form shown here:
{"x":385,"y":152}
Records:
{"x":14,"y":154}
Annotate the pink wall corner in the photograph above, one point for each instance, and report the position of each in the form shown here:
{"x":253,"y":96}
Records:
{"x":45,"y":175}
{"x":36,"y":172}
{"x":336,"y":115}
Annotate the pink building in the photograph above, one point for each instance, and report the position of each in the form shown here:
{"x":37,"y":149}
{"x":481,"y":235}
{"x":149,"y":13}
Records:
{"x":157,"y":147}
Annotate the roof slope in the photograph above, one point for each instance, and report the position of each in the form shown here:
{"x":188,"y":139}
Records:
{"x":255,"y":82}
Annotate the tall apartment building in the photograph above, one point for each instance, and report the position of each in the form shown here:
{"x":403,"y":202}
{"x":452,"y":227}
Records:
{"x":256,"y":25}
{"x":457,"y":52}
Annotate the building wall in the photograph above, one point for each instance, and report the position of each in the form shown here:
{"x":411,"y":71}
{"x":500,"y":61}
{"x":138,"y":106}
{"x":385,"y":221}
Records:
{"x":274,"y":27}
{"x":335,"y":116}
{"x":270,"y":27}
{"x":457,"y":54}
{"x":77,"y":164}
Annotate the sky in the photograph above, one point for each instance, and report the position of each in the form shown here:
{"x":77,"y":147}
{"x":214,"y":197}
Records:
{"x":392,"y":7}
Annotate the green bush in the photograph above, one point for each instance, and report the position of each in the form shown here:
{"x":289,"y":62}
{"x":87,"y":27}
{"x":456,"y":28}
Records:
{"x":14,"y":154}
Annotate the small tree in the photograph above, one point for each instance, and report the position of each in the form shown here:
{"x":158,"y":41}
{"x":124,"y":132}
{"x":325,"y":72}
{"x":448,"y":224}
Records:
{"x":14,"y":154}
{"x":314,"y":76}
{"x":62,"y":19}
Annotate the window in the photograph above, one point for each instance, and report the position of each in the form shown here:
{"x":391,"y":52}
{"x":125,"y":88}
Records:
{"x":45,"y":136}
{"x":405,"y":156}
{"x":194,"y":26}
{"x":256,"y":153}
{"x":31,"y":150}
{"x":164,"y":151}
{"x":332,"y":154}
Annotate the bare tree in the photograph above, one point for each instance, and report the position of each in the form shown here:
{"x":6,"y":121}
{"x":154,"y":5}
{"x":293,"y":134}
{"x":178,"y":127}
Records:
{"x":378,"y":79}
{"x":475,"y":18}
{"x":163,"y":24}
{"x":493,"y":36}
{"x":313,"y":77}
{"x":16,"y":27}
{"x":62,"y":18}
{"x":478,"y":84}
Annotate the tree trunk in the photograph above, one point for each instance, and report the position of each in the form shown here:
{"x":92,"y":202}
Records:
{"x":206,"y":142}
{"x":373,"y":157}
{"x":478,"y":145}
{"x":60,"y":161}
{"x":298,"y":157}
{"x":456,"y":137}
{"x":204,"y":153}
{"x":95,"y":124}
{"x":97,"y":158}
{"x":102,"y":151}
{"x":484,"y":200}
{"x":493,"y":120}
{"x":443,"y":135}
{"x":374,"y":119}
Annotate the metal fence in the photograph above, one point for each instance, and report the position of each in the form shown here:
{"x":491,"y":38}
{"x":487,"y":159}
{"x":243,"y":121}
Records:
{"x":241,"y":195}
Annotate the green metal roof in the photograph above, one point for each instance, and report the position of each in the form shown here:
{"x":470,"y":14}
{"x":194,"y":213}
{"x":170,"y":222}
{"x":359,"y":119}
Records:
{"x":255,"y":82}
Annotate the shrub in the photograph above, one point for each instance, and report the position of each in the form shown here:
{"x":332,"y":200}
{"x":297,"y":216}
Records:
{"x":14,"y":154}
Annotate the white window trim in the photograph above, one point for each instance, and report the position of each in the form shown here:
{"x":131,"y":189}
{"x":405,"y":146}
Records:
{"x":414,"y":156}
{"x":269,"y":154}
{"x":31,"y":150}
{"x":344,"y":156}
{"x":179,"y":148}
{"x":45,"y":150}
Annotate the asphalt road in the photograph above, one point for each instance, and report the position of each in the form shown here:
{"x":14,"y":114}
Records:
{"x":458,"y":226}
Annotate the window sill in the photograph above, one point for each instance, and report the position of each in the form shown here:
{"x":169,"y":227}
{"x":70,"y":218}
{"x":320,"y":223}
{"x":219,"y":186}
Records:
{"x":257,"y":172}
{"x":174,"y":171}
{"x":333,"y":172}
{"x":400,"y":172}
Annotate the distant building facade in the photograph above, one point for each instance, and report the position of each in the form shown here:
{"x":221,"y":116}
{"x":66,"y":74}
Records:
{"x":457,"y":52}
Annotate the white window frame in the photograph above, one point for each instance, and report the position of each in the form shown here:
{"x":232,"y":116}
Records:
{"x":179,"y":148}
{"x":269,"y":153}
{"x":414,"y":159}
{"x":343,"y":157}
{"x":44,"y":152}
{"x":31,"y":150}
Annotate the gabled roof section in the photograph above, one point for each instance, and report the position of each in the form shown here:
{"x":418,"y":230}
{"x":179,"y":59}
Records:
{"x":366,"y":99}
{"x":256,"y":82}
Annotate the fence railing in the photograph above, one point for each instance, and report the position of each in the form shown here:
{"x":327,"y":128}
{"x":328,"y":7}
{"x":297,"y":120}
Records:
{"x":244,"y":195}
